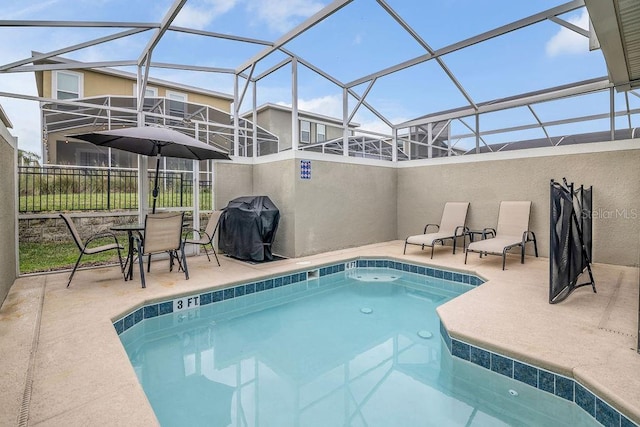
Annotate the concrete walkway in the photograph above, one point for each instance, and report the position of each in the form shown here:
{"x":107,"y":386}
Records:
{"x":63,"y":363}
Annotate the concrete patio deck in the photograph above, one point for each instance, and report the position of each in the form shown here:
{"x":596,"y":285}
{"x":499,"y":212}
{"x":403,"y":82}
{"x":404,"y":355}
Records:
{"x":63,"y":363}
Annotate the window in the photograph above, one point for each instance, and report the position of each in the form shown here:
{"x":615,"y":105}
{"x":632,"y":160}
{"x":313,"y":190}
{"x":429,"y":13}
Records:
{"x":177,"y":103}
{"x":305,"y":131}
{"x":149,"y":92}
{"x":67,"y":85}
{"x":92,"y":158}
{"x":148,"y":103}
{"x":321,"y":133}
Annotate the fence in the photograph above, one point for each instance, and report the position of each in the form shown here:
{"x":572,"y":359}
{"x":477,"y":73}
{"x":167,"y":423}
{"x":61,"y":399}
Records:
{"x":69,"y":188}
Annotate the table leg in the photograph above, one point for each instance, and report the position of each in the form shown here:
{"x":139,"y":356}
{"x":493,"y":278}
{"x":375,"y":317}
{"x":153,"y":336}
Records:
{"x":129,"y":264}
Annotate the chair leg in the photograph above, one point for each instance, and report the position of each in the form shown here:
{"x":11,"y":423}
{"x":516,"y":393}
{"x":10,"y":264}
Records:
{"x":504,"y":258}
{"x":466,"y":252}
{"x":184,"y":262}
{"x":178,"y":258}
{"x":215,"y":255}
{"x":405,"y":248}
{"x":206,"y":252}
{"x":141,"y":264}
{"x":74,"y":268}
{"x":535,"y":244}
{"x":149,"y":264}
{"x":432,"y":245}
{"x":120,"y":259}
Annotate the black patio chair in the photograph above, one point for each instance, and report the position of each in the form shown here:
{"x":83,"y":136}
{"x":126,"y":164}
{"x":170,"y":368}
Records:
{"x":84,"y":246}
{"x":206,"y":237}
{"x":162,"y":234}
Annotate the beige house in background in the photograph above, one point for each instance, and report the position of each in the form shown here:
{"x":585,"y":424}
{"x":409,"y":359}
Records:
{"x":201,"y":113}
{"x":314,"y":128}
{"x":189,"y":109}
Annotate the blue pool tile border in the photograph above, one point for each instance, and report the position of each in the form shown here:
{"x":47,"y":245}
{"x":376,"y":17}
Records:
{"x":211,"y":297}
{"x":547,"y":381}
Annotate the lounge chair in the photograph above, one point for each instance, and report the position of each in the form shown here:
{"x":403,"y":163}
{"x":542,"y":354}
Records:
{"x":206,"y":237}
{"x":512,"y":231}
{"x":162,"y":233}
{"x":452,"y":226}
{"x":83,"y":246}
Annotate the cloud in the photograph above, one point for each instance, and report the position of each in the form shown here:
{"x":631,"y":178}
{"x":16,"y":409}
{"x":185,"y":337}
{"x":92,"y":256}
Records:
{"x":568,"y":42}
{"x":283,"y":15}
{"x":24,"y":12}
{"x":200,"y":15}
{"x":330,"y":105}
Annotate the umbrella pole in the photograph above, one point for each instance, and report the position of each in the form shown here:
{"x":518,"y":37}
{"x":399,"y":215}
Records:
{"x":155,"y":184}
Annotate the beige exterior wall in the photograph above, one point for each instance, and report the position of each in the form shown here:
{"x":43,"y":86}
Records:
{"x":348,"y":203}
{"x":8,"y":150}
{"x":99,"y":84}
{"x":615,"y":176}
{"x":277,"y":181}
{"x":277,"y":122}
{"x":231,"y":180}
{"x":344,"y":205}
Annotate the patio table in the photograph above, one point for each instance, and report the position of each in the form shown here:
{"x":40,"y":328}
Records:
{"x":130,"y":229}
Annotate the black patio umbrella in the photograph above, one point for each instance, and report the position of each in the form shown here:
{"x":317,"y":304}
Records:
{"x":154,"y":141}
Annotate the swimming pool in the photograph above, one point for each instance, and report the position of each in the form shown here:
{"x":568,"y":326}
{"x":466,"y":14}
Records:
{"x":351,"y":344}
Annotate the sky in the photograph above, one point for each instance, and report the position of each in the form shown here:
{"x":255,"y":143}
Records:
{"x":359,"y":39}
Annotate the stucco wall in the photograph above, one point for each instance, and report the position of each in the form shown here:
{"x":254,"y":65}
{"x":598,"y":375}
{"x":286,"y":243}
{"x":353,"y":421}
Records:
{"x":615,"y":176}
{"x":231,"y":180}
{"x":350,"y":204}
{"x":7,"y":212}
{"x":344,"y":205}
{"x":276,"y":180}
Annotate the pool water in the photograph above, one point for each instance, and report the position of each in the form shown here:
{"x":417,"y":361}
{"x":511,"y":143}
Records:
{"x":355,"y":348}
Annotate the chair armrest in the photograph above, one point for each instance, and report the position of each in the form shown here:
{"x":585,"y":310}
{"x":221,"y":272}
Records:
{"x":430,"y":225}
{"x":460,"y":227}
{"x":525,"y":237}
{"x":101,"y":235}
{"x":193,"y":232}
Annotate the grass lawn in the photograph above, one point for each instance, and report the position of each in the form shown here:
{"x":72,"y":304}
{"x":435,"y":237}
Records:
{"x":40,"y":257}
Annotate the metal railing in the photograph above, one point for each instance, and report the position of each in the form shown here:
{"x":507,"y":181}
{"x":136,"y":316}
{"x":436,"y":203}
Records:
{"x":70,"y":188}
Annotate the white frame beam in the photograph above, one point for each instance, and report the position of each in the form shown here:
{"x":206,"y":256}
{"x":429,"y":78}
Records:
{"x":488,"y":35}
{"x":145,"y":55}
{"x":428,"y":48}
{"x":310,"y":22}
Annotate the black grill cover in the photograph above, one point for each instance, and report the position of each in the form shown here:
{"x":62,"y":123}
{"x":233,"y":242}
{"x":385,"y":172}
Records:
{"x":248,"y":227}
